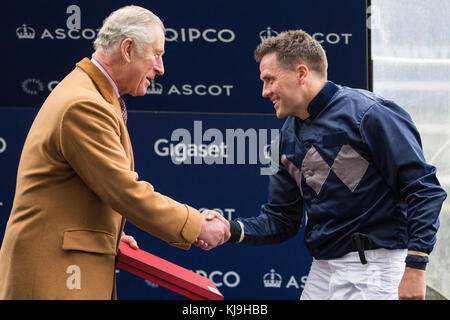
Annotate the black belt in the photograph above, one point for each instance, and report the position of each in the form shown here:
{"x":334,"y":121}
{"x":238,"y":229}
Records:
{"x":361,"y":242}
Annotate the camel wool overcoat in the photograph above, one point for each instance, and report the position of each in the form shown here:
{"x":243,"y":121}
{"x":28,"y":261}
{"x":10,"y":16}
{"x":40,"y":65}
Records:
{"x":76,"y":186}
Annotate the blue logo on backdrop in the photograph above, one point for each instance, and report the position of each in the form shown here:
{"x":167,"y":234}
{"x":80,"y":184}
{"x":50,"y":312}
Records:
{"x":267,"y":34}
{"x":25,"y":32}
{"x":193,"y":34}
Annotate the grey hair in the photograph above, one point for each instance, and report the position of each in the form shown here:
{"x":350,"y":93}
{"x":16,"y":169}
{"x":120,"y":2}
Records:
{"x":132,"y":22}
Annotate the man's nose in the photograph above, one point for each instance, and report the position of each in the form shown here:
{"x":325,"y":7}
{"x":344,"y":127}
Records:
{"x":159,"y":67}
{"x":265,"y":91}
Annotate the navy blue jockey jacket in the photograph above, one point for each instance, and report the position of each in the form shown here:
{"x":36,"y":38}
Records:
{"x":356,"y":165}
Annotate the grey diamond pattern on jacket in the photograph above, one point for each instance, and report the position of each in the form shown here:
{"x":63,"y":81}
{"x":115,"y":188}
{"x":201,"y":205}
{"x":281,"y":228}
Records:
{"x":349,"y":167}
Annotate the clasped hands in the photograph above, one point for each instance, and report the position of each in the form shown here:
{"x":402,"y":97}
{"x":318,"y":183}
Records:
{"x":215,"y":230}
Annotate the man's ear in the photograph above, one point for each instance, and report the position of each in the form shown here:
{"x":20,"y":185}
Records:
{"x":125,"y":49}
{"x":302,"y":73}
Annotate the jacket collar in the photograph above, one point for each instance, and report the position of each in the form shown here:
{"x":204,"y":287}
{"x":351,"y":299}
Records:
{"x":321,"y":99}
{"x":101,"y":82}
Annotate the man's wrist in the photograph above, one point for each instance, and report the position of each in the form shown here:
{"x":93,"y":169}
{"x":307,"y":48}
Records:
{"x":416,"y":259}
{"x":417,"y":265}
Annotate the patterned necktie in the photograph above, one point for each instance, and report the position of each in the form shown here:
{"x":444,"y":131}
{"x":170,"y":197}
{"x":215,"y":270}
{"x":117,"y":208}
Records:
{"x":123,"y":107}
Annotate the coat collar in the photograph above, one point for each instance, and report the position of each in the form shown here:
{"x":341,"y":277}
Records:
{"x":101,"y":82}
{"x":322,"y":99}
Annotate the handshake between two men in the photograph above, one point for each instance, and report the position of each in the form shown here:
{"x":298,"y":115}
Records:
{"x":215,"y":230}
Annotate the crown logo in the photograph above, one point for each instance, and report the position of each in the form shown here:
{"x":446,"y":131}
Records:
{"x":155,"y":88}
{"x":25,"y":32}
{"x":272,"y":279}
{"x":267,"y":34}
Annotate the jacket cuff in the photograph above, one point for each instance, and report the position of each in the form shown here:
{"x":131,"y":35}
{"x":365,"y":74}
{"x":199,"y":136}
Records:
{"x":236,"y":231}
{"x":193,"y":225}
{"x":417,"y":265}
{"x":416,"y":257}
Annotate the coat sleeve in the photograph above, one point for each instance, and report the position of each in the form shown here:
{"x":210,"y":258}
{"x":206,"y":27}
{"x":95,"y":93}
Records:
{"x":396,"y":148}
{"x":90,"y":143}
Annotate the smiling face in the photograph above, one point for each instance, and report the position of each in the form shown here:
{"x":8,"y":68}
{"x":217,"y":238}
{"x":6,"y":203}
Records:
{"x":281,"y":86}
{"x":143,"y":68}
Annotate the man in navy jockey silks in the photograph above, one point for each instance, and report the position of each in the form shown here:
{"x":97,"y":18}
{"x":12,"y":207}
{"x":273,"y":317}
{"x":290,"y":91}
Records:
{"x":352,"y":161}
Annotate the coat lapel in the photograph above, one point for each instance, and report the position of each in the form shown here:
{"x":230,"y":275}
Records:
{"x":105,"y":88}
{"x":101,"y":82}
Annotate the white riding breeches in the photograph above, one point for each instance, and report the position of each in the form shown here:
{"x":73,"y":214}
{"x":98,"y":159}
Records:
{"x":346,"y":278}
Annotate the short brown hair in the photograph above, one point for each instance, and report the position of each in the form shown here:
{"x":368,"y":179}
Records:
{"x":294,"y":47}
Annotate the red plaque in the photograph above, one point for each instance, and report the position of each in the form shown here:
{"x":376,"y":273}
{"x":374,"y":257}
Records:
{"x":166,"y":274}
